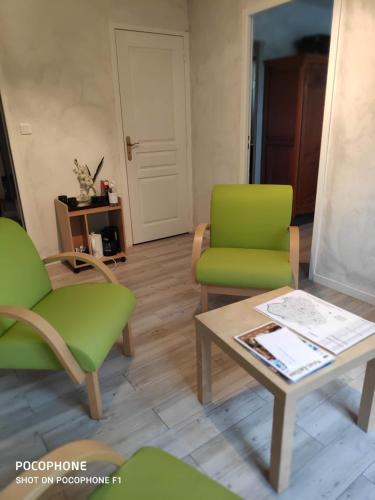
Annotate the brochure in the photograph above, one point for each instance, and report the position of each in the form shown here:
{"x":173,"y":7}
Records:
{"x":283,"y":350}
{"x":323,"y":323}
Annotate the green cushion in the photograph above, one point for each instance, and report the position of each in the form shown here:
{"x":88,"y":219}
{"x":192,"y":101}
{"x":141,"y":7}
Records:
{"x":244,"y":268}
{"x":153,"y":474}
{"x":23,"y":277}
{"x":89,"y":317}
{"x":251,"y":216}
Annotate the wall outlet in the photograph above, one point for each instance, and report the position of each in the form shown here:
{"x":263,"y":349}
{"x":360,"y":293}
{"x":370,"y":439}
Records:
{"x":25,"y":129}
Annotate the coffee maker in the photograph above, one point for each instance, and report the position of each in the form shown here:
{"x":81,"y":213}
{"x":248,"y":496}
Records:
{"x":110,"y":239}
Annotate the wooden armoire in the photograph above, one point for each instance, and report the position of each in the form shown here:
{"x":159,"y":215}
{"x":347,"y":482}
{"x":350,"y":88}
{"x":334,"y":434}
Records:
{"x":294,"y":91}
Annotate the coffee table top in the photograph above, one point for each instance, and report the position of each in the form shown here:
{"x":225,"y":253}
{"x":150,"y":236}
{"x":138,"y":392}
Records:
{"x":221,"y":325}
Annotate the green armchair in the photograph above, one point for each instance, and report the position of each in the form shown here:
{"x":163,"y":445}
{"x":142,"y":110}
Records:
{"x":252,"y":247}
{"x":150,"y":473}
{"x":71,"y":328}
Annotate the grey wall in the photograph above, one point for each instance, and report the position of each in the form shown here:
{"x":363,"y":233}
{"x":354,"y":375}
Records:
{"x":55,"y":58}
{"x":215,"y":46}
{"x":276,"y":29}
{"x":344,"y":230}
{"x":50,"y":53}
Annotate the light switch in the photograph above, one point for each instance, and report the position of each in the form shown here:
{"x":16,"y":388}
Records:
{"x":25,"y":129}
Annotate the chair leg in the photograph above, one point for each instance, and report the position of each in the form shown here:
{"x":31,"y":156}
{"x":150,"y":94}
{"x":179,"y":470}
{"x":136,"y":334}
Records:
{"x":204,"y":298}
{"x":95,"y":400}
{"x":127,"y":341}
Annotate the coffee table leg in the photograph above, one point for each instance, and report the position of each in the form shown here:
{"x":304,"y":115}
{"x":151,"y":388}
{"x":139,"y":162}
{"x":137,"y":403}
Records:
{"x":366,"y":417}
{"x":282,"y":441}
{"x":204,"y":381}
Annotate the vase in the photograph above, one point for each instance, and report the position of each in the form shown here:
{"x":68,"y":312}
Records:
{"x":83,"y":196}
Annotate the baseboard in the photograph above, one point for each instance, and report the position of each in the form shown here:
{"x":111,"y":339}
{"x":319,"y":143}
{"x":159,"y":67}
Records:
{"x":343,"y":288}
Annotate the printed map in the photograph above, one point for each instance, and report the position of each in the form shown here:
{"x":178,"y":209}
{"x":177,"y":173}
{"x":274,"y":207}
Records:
{"x":325,"y":324}
{"x":297,"y":310}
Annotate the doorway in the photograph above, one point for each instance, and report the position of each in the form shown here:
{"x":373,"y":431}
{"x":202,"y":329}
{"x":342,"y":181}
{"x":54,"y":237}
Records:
{"x":290,"y":44}
{"x":10,"y":203}
{"x":155,"y":121}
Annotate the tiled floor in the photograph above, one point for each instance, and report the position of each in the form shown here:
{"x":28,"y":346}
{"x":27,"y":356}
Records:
{"x":150,"y":399}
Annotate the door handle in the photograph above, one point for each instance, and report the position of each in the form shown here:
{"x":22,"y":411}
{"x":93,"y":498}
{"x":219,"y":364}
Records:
{"x":129,"y":146}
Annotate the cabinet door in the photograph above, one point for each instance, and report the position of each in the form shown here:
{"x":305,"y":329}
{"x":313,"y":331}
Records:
{"x":280,"y":111}
{"x":312,"y":119}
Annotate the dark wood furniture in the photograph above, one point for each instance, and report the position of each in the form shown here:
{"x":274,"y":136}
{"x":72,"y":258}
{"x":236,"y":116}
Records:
{"x":76,"y":225}
{"x":292,"y":125}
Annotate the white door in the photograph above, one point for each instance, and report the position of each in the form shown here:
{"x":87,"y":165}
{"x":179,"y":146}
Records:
{"x":151,"y":71}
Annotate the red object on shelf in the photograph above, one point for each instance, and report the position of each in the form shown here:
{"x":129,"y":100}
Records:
{"x":104,"y":188}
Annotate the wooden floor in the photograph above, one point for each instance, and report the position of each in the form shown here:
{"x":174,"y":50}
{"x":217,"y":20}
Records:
{"x":151,"y":399}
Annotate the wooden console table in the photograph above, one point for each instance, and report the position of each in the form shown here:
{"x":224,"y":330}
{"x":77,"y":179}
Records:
{"x":74,"y":227}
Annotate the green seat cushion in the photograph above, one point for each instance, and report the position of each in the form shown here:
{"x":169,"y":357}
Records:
{"x":24,"y":280}
{"x":88,"y":316}
{"x":244,"y":268}
{"x":153,"y":474}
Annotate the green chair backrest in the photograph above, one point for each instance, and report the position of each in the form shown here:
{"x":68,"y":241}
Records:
{"x":24,"y":280}
{"x":251,"y":216}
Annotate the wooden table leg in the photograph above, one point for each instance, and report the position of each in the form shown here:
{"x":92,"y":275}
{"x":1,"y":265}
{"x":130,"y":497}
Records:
{"x":366,"y":417}
{"x":204,"y":378}
{"x":282,"y":442}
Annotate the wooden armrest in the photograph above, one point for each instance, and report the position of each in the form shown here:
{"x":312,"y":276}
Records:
{"x":197,"y":246}
{"x":85,"y":257}
{"x":294,"y":253}
{"x":78,"y":451}
{"x":49,"y":335}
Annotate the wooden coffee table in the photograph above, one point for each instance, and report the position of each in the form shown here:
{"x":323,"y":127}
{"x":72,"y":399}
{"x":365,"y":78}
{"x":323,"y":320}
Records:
{"x":221,"y":325}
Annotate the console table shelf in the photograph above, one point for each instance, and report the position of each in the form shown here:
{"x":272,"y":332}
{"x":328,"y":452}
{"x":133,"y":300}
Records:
{"x":75,"y":226}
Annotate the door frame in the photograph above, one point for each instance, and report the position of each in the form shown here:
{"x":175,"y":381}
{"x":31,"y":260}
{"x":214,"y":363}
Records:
{"x":246,"y":78}
{"x":13,"y":151}
{"x":4,"y":126}
{"x":121,"y":129}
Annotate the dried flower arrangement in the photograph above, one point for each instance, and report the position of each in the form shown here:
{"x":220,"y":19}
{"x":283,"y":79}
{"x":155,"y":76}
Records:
{"x":86,"y":181}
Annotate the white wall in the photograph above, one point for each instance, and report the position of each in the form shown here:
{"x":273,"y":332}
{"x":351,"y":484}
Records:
{"x":216,"y":50}
{"x":55,"y":58}
{"x":56,"y":66}
{"x":344,"y":232}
